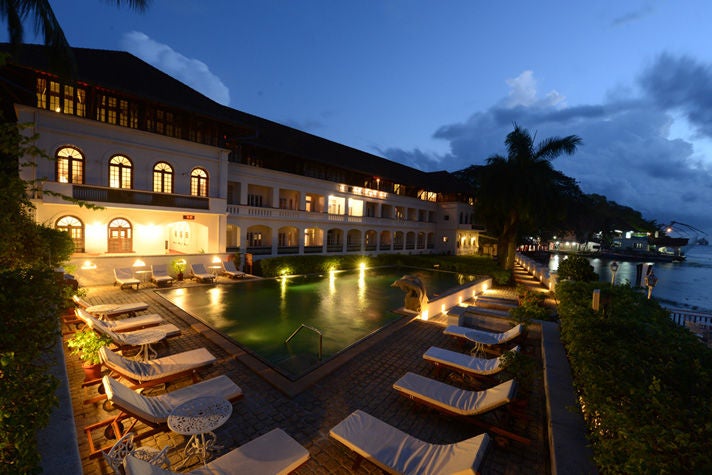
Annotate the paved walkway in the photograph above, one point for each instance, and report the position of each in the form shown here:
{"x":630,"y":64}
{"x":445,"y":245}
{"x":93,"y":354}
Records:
{"x":364,"y":382}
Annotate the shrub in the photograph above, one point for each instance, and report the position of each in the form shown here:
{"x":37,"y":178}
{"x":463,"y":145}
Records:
{"x":576,"y":268}
{"x":643,"y":381}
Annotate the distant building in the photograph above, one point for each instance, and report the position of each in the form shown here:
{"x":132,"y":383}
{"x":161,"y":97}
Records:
{"x":177,"y":173}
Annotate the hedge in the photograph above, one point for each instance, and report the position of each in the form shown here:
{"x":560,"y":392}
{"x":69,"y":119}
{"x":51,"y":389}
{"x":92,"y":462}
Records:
{"x":644,"y":382}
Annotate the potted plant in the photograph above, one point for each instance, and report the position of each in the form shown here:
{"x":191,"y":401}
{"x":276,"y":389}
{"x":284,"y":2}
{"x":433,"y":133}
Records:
{"x":86,"y":343}
{"x":178,"y":266}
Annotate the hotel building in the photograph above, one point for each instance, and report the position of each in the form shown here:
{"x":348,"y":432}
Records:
{"x":176,"y":173}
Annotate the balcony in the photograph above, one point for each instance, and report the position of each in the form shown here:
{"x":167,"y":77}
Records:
{"x":104,"y":194}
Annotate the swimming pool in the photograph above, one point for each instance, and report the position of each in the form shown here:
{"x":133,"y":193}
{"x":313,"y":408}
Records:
{"x":345,"y":307}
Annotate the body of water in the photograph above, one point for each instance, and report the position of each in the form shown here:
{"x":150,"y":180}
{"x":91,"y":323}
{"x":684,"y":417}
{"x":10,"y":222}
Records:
{"x":344,"y":306}
{"x":686,"y":284}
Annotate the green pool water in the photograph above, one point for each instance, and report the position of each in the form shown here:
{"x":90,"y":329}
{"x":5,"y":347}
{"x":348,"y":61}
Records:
{"x":345,"y":307}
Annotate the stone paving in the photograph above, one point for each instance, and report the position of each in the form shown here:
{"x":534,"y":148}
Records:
{"x":364,"y":382}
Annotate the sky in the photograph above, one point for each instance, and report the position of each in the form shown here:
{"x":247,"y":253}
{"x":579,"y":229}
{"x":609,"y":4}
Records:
{"x":438,"y":84}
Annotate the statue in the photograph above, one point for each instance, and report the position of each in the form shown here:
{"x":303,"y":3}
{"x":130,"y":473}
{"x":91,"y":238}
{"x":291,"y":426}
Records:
{"x":416,"y":298}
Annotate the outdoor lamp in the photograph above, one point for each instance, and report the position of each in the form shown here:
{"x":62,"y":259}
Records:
{"x":614,"y":269}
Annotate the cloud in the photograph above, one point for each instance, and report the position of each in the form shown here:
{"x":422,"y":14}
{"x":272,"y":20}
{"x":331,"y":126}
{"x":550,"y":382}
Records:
{"x":192,"y":72}
{"x":627,"y":154}
{"x":633,"y":16}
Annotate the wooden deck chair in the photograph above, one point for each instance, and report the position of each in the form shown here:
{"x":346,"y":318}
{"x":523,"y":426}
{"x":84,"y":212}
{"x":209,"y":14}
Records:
{"x":486,"y":340}
{"x":200,"y":274}
{"x":106,"y":310}
{"x":124,"y":277}
{"x":460,"y":402}
{"x":231,"y":271}
{"x":123,"y":325}
{"x":160,"y":276}
{"x":153,"y":411}
{"x":466,"y":365}
{"x":272,"y":453}
{"x":144,"y":374}
{"x":395,"y":451}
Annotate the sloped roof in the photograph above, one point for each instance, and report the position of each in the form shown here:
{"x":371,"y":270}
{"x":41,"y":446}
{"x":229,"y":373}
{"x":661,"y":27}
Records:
{"x":125,"y":73}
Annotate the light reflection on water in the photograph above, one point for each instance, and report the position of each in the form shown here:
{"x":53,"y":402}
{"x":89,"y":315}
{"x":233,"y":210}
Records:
{"x":684,"y":284}
{"x":344,"y":306}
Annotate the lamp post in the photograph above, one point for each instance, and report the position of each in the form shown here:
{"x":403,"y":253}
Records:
{"x":614,"y":269}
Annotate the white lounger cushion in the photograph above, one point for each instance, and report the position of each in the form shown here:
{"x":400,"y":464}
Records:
{"x":484,"y":337}
{"x":158,"y":368}
{"x":397,"y":452}
{"x":125,"y":324}
{"x":464,"y":362}
{"x":272,"y":453}
{"x":124,"y":276}
{"x":156,"y":409}
{"x":455,"y":400}
{"x":125,"y":338}
{"x":110,"y":309}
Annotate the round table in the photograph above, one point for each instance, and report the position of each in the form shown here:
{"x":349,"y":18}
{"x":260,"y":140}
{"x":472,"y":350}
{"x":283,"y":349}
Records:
{"x":198,"y":418}
{"x":144,"y":339}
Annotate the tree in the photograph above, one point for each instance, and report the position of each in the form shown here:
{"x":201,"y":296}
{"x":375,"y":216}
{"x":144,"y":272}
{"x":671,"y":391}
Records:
{"x":522,"y":192}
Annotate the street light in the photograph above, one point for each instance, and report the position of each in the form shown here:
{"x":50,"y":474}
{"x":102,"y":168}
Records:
{"x":614,"y":269}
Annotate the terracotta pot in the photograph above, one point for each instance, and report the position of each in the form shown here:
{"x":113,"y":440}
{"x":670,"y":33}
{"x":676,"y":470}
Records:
{"x":91,"y":371}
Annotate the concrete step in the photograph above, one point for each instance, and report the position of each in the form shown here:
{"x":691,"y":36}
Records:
{"x":497,"y":303}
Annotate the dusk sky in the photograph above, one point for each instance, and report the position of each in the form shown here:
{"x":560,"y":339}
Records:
{"x":438,"y":84}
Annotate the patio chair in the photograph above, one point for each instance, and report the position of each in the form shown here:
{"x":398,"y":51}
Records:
{"x":160,"y":276}
{"x":485,"y":340}
{"x":125,"y":446}
{"x":482,"y":368}
{"x":145,"y":374}
{"x":460,"y":402}
{"x":153,"y":411}
{"x":200,"y":274}
{"x":123,"y":325}
{"x":231,"y":271}
{"x":124,"y":277}
{"x":272,"y":453}
{"x":395,"y":451}
{"x":127,"y":338}
{"x":105,"y":310}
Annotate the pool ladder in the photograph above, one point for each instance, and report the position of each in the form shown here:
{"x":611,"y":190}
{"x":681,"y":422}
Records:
{"x":315,"y":330}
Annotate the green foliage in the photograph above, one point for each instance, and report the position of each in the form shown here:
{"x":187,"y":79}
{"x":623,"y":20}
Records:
{"x":86,"y":343}
{"x":30,"y":300}
{"x":576,"y":268}
{"x":643,"y":381}
{"x":178,"y":266}
{"x":532,"y":306}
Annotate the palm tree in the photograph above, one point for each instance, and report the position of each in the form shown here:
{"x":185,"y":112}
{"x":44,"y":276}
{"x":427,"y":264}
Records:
{"x":522,"y":191}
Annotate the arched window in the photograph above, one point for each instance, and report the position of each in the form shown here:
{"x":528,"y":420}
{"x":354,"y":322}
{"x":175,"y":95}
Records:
{"x":199,"y":182}
{"x":120,"y":236}
{"x":120,"y":172}
{"x":70,"y":165}
{"x":162,"y":178}
{"x":75,"y":228}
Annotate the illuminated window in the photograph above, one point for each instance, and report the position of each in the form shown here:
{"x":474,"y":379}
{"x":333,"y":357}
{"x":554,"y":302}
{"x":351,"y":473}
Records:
{"x":162,"y":178}
{"x":56,"y":97}
{"x":336,"y":205}
{"x":75,"y":228}
{"x":199,"y":182}
{"x":120,"y":236}
{"x":427,"y":195}
{"x":120,"y":172}
{"x":70,"y":165}
{"x":254,"y":239}
{"x":355,"y":207}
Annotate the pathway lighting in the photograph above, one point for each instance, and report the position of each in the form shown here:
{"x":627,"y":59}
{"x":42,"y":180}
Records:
{"x":614,"y":269}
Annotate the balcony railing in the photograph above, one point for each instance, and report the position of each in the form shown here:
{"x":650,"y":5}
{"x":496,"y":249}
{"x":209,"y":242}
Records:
{"x":134,"y":197}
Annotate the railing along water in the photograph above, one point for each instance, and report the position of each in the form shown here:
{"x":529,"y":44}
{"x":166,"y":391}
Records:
{"x":304,"y":325}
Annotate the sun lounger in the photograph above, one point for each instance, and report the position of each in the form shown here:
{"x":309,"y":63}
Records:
{"x":272,"y":453}
{"x":460,"y":402}
{"x":143,"y":374}
{"x":110,"y":309}
{"x":464,"y":363}
{"x":122,"y":325}
{"x":231,"y":271}
{"x":200,"y":274}
{"x":154,"y":410}
{"x":395,"y":451}
{"x":124,"y":277}
{"x":128,"y":338}
{"x":160,"y":276}
{"x":483,"y":338}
